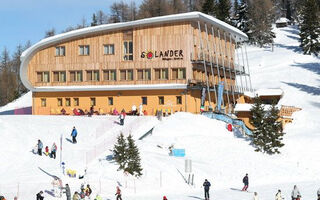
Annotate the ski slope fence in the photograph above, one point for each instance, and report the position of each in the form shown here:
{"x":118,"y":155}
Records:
{"x":229,"y":120}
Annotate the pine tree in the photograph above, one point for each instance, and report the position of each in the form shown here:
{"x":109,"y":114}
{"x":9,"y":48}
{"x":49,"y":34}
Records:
{"x":274,"y":131}
{"x":289,"y":12}
{"x":310,"y":28}
{"x":94,"y":20}
{"x":257,"y":120}
{"x":208,"y":7}
{"x":119,"y":151}
{"x":223,"y":8}
{"x":50,"y":33}
{"x":235,"y":8}
{"x":241,"y":19}
{"x":133,"y":162}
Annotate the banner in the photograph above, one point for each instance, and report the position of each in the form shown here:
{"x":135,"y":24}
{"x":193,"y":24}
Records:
{"x":203,"y":98}
{"x":220,"y":94}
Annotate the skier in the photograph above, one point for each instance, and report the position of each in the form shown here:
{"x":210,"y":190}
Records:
{"x":206,"y":186}
{"x":88,"y":191}
{"x":318,"y":193}
{"x":245,"y":181}
{"x":82,"y":194}
{"x":40,"y":146}
{"x":46,"y":151}
{"x":67,"y":191}
{"x":39,"y":196}
{"x":118,"y":193}
{"x":122,"y":116}
{"x":278,"y":195}
{"x":74,"y":134}
{"x":295,"y":194}
{"x":141,"y":110}
{"x":134,"y":110}
{"x":255,"y":196}
{"x":164,"y":198}
{"x":53,"y":151}
{"x":76,"y":196}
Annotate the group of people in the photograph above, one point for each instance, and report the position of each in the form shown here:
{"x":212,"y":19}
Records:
{"x":51,"y":153}
{"x":295,"y":194}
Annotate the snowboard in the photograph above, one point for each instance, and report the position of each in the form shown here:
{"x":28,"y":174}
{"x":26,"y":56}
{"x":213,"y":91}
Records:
{"x":236,"y":189}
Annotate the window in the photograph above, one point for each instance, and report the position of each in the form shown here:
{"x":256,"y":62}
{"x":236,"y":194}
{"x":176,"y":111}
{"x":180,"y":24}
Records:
{"x":144,"y":100}
{"x":109,"y":75}
{"x":126,"y":75}
{"x":43,"y":102}
{"x":59,"y":102}
{"x":84,"y":50}
{"x":75,"y":76}
{"x":43,"y":77}
{"x":161,"y":100}
{"x":144,"y":74}
{"x":76,"y":101}
{"x":59,"y":76}
{"x":161,"y":74}
{"x":178,"y":73}
{"x":93,"y":75}
{"x":179,"y":100}
{"x":109,"y":49}
{"x":60,"y":51}
{"x":110,"y":101}
{"x":127,"y":50}
{"x":68,"y":102}
{"x":92,"y":101}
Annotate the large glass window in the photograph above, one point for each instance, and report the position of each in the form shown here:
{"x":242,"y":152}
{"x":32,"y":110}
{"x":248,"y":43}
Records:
{"x":75,"y":76}
{"x":178,"y":73}
{"x":126,"y":75}
{"x":59,"y":76}
{"x":127,"y":50}
{"x":110,"y":101}
{"x":43,"y":77}
{"x":109,"y":75}
{"x":108,"y":49}
{"x":84,"y":50}
{"x":93,"y":75}
{"x":161,"y":74}
{"x":60,"y":51}
{"x":144,"y":74}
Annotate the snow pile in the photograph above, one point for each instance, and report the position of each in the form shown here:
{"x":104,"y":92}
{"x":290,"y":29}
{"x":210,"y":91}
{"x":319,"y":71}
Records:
{"x":22,"y":102}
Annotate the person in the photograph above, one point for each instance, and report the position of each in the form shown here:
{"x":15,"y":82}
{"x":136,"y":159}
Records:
{"x":318,"y":193}
{"x":295,"y":194}
{"x":122,"y":116}
{"x":91,"y":111}
{"x":2,"y":198}
{"x":53,"y":151}
{"x":206,"y":186}
{"x":115,"y":112}
{"x":245,"y":181}
{"x":67,"y":191}
{"x":118,"y":193}
{"x":82,"y":193}
{"x":74,"y":134}
{"x":88,"y":191}
{"x":164,"y":198}
{"x":39,"y":196}
{"x":40,"y":146}
{"x":98,"y":197}
{"x":255,"y":196}
{"x":278,"y":195}
{"x":46,"y":151}
{"x":141,"y":110}
{"x":76,"y":196}
{"x":134,"y":110}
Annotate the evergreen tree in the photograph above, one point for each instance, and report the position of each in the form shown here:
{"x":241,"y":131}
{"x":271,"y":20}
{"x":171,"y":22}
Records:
{"x":289,"y":13}
{"x":223,"y":8}
{"x":94,"y":20}
{"x":50,"y":33}
{"x":241,"y":19}
{"x":119,"y":151}
{"x":274,"y":131}
{"x":257,"y":120}
{"x":208,"y":7}
{"x":133,"y":158}
{"x":235,"y":8}
{"x":310,"y":28}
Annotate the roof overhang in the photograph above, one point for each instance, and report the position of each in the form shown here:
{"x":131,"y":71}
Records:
{"x":60,"y":38}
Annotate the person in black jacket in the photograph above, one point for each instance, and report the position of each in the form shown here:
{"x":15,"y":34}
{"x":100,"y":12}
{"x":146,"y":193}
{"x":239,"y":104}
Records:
{"x":245,"y":181}
{"x":206,"y":186}
{"x":39,"y":196}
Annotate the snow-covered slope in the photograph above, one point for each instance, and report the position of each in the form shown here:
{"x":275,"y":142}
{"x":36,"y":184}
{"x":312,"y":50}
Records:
{"x":218,"y":155}
{"x":24,"y":101}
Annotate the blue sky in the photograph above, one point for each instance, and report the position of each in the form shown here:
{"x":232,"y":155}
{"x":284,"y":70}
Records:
{"x":23,"y":20}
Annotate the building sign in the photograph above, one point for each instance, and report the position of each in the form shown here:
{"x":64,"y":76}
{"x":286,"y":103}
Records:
{"x":164,"y":55}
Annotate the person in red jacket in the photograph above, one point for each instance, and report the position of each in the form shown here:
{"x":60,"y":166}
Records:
{"x":118,"y":193}
{"x":46,"y":151}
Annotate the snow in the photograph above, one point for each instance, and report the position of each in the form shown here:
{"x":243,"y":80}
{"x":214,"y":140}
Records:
{"x":282,"y":20}
{"x":220,"y":156}
{"x":247,"y":107}
{"x":265,"y":92}
{"x":24,"y":101}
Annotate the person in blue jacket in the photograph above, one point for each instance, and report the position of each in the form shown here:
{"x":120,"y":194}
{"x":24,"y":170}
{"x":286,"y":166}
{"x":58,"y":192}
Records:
{"x":206,"y":186}
{"x":40,"y":146}
{"x":74,"y":134}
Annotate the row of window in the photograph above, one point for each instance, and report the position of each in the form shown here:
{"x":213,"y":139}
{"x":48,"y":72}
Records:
{"x":76,"y":102}
{"x":111,"y":75}
{"x":84,"y":50}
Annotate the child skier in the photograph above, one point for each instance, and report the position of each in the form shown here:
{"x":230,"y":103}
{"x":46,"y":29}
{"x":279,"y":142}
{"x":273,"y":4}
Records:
{"x":53,"y":151}
{"x":122,"y":116}
{"x":118,"y":193}
{"x":46,"y":151}
{"x":245,"y":181}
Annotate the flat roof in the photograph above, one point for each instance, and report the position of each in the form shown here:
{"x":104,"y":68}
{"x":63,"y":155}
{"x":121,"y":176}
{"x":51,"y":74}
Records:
{"x":50,"y":41}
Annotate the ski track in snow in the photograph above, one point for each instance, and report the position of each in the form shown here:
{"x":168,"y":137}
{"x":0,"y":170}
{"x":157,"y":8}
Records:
{"x":216,"y":154}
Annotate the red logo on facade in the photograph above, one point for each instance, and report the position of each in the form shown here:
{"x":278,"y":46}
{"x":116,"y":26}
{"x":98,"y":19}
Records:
{"x":149,"y":55}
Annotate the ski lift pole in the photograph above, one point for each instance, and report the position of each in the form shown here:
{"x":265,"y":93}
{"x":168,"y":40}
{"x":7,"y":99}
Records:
{"x":60,"y":150}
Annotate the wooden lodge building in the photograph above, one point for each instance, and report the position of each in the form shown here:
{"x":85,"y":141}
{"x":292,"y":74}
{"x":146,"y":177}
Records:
{"x":170,"y":63}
